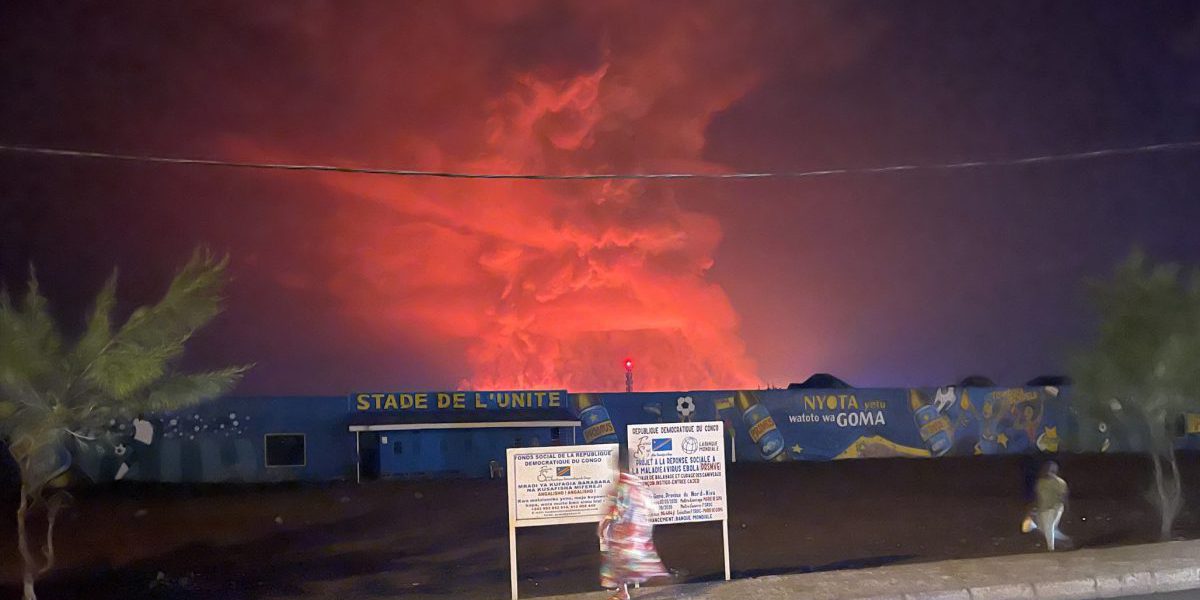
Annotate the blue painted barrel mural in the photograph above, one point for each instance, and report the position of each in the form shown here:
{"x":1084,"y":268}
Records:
{"x":832,"y":424}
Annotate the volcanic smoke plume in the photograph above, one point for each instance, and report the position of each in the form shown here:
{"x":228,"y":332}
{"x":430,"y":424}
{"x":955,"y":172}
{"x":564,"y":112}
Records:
{"x":550,"y":284}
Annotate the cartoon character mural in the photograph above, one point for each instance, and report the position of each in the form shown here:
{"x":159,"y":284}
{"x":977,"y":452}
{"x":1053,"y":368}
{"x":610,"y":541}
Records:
{"x":187,"y":446}
{"x":142,"y":438}
{"x":1018,"y":420}
{"x":653,"y":409}
{"x":111,"y":453}
{"x":831,"y":424}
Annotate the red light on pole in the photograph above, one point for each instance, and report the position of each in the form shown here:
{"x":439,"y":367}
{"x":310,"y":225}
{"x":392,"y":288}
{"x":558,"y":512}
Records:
{"x":628,"y":364}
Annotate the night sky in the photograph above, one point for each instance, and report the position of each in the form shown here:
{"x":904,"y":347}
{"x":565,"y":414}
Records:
{"x":346,"y":283}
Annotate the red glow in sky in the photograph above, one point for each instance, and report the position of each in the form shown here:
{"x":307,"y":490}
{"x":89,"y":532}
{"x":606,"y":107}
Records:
{"x":546,"y":282}
{"x":345,"y":282}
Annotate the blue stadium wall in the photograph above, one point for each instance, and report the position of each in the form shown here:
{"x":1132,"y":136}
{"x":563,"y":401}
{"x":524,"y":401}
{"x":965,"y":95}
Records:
{"x":223,"y":440}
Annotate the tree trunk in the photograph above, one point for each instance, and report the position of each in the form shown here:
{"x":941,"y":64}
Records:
{"x":52,"y":507}
{"x":27,"y":561}
{"x":1168,"y":491}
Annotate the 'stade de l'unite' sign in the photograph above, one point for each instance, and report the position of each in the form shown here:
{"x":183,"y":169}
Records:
{"x":411,"y":401}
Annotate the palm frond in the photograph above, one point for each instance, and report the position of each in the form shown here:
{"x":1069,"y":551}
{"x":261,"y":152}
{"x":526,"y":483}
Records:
{"x":30,"y":343}
{"x":182,"y":390}
{"x":41,"y":331}
{"x":141,"y":350}
{"x":98,"y":332}
{"x":191,"y":301}
{"x":125,"y":369}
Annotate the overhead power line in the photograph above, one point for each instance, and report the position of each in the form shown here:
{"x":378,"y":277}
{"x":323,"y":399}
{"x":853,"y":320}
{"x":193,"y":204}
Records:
{"x":973,"y":164}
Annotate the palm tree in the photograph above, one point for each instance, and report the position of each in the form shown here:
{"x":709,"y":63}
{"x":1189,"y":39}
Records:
{"x":55,"y":394}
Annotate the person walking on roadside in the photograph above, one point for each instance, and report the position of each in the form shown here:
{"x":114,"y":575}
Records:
{"x":1030,"y":469}
{"x":626,"y":536}
{"x":1051,"y":497}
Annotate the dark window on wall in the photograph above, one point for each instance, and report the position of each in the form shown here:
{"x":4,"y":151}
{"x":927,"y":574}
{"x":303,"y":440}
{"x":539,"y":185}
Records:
{"x":554,"y":436}
{"x":397,"y":448}
{"x":284,"y":449}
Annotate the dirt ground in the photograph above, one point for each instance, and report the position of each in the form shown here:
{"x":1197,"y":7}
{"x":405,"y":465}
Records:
{"x":439,"y":539}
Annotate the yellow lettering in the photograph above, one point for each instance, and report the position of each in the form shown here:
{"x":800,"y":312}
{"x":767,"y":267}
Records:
{"x":831,"y":402}
{"x":853,"y":402}
{"x":363,"y":401}
{"x":479,"y":403}
{"x":378,"y":400}
{"x":460,"y":400}
{"x":502,"y":400}
{"x":519,"y":400}
{"x":421,"y":401}
{"x":541,"y":398}
{"x":406,"y":401}
{"x":810,"y":403}
{"x":390,"y":403}
{"x":443,"y":400}
{"x":554,"y":399}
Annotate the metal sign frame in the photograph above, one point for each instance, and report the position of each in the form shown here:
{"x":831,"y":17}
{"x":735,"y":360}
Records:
{"x":512,"y":473}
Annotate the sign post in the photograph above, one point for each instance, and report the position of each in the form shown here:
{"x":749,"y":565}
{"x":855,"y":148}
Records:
{"x":556,"y":485}
{"x":683,"y":464}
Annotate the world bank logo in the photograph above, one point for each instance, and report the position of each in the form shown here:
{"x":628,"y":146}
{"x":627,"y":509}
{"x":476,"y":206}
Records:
{"x":690,"y":445}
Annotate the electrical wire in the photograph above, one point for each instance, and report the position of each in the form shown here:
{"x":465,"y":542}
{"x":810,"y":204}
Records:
{"x":974,"y":164}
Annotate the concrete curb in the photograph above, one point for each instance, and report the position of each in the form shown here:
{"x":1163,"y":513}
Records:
{"x":1079,"y":575}
{"x":1104,"y":586}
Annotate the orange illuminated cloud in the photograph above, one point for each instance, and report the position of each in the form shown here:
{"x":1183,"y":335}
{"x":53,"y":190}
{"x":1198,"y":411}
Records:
{"x":549,"y":284}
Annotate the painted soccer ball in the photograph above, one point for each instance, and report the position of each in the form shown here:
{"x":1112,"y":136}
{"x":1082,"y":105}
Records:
{"x":685,"y":406}
{"x":690,"y":445}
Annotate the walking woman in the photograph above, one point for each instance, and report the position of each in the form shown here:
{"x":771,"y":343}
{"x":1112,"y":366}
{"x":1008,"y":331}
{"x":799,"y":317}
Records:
{"x":626,"y":536}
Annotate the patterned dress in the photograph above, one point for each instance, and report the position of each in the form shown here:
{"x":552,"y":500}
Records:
{"x":630,"y":557}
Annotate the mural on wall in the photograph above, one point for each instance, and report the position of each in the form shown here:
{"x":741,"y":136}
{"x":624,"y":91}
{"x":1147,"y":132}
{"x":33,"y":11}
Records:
{"x":224,"y":440}
{"x":833,"y":424}
{"x":112,"y":452}
{"x":204,"y":444}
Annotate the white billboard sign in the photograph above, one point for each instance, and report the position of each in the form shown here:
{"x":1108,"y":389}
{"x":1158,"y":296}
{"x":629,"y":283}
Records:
{"x":556,"y":485}
{"x":684,"y":465}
